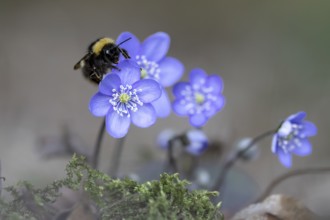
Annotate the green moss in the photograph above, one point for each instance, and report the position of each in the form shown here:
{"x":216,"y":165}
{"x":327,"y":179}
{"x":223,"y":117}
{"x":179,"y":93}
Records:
{"x":167,"y":198}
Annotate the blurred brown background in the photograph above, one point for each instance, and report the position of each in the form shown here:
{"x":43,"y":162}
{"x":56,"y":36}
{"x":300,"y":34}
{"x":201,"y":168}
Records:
{"x":272,"y":55}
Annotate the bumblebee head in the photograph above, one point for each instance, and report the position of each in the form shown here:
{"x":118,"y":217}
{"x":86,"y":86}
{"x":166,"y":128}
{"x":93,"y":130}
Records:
{"x":111,"y":53}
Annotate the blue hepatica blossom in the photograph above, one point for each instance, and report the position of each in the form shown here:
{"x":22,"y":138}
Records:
{"x":150,"y":55}
{"x":198,"y":142}
{"x":124,"y":98}
{"x":292,"y":137}
{"x":199,"y":99}
{"x":195,"y":141}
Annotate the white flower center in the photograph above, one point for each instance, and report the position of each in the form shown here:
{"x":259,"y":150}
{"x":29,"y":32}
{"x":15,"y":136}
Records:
{"x":285,"y":129}
{"x":125,"y":100}
{"x":289,"y":136}
{"x":151,"y":68}
{"x":198,"y":98}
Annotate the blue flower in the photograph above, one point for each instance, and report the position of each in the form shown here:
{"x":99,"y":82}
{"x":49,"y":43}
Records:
{"x":292,"y":137}
{"x":200,"y":98}
{"x":194,"y":141}
{"x":123,"y":97}
{"x":198,"y":142}
{"x":151,"y":57}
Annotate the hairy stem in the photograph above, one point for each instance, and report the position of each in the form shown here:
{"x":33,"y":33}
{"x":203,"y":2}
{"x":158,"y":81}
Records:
{"x":288,"y":175}
{"x":95,"y":159}
{"x":170,"y":156}
{"x":0,"y":179}
{"x":232,"y":160}
{"x":116,"y":157}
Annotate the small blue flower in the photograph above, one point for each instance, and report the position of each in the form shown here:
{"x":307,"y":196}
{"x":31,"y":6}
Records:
{"x":200,"y":98}
{"x":151,"y":57}
{"x":124,"y":98}
{"x":292,"y":137}
{"x":198,"y":142}
{"x":194,"y":141}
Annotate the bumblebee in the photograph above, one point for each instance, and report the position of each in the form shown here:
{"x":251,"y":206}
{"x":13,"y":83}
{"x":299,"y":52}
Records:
{"x":102,"y":55}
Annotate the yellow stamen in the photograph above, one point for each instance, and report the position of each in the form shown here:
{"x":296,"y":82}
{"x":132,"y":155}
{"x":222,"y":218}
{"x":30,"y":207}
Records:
{"x":199,"y":98}
{"x":143,"y":73}
{"x":124,"y":98}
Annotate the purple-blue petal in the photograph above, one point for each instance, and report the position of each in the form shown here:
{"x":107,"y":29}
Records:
{"x":309,"y":129}
{"x":304,"y":149}
{"x":198,"y":120}
{"x":162,"y":105}
{"x":211,"y":111}
{"x":198,"y":142}
{"x":148,"y":90}
{"x":215,"y":82}
{"x":99,"y":104}
{"x":129,"y":72}
{"x":171,"y":70}
{"x":285,"y":158}
{"x":197,"y":76}
{"x":297,"y":118}
{"x":110,"y":82}
{"x":179,"y":88}
{"x":132,"y":46}
{"x":180,"y":108}
{"x":155,"y":47}
{"x":219,"y":102}
{"x":145,"y":116}
{"x":196,"y":148}
{"x":197,"y":135}
{"x":117,"y":126}
{"x":215,"y":106}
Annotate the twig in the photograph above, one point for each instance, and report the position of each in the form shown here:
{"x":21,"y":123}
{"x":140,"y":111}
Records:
{"x":231,"y":161}
{"x":97,"y":148}
{"x":288,"y":175}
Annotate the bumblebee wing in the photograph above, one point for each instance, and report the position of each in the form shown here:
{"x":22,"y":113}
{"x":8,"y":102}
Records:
{"x":81,"y":63}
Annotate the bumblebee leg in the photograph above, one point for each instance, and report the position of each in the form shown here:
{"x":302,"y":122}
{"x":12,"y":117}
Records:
{"x":95,"y":77}
{"x":96,"y":74}
{"x":114,"y":67}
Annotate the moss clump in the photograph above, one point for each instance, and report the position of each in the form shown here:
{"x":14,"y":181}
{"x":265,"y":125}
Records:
{"x":167,"y":198}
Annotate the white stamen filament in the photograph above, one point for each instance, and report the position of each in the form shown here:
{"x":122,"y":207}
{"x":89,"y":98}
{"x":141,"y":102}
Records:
{"x":125,"y":100}
{"x":151,"y":67}
{"x":197,"y":98}
{"x":290,"y":136}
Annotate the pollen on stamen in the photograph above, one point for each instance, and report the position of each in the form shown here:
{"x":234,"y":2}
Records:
{"x":199,"y":98}
{"x":297,"y":142}
{"x":125,"y":100}
{"x":150,"y":68}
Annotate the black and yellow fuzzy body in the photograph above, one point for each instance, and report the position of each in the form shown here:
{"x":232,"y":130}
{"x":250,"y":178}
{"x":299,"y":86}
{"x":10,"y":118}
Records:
{"x":102,"y":56}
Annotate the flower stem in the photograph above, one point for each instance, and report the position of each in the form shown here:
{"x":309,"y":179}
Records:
{"x":231,"y":160}
{"x":288,"y":175}
{"x":0,"y":179}
{"x":171,"y":158}
{"x":172,"y":166}
{"x":116,"y":157}
{"x":97,"y":148}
